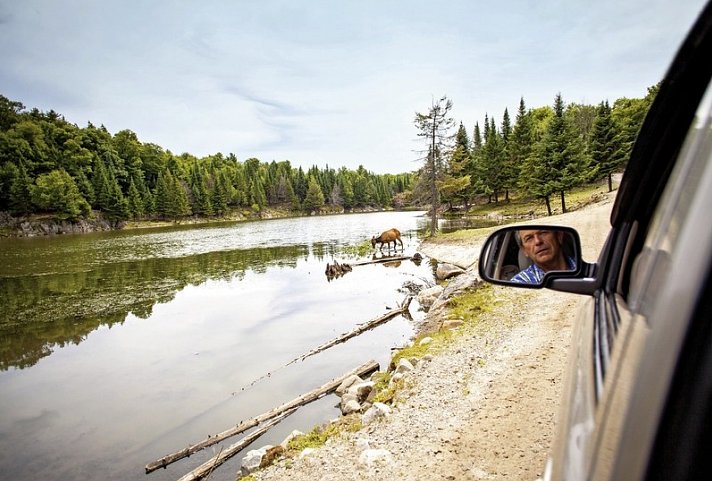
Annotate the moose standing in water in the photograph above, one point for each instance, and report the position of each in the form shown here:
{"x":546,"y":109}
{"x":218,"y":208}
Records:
{"x":391,"y":235}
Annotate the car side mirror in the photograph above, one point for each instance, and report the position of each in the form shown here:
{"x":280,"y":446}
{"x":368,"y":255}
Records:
{"x":531,"y":255}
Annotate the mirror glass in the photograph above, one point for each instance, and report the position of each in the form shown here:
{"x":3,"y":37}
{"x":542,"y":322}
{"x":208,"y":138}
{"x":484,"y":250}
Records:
{"x":523,"y":255}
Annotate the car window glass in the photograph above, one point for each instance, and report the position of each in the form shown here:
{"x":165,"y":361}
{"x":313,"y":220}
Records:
{"x":651,"y":265}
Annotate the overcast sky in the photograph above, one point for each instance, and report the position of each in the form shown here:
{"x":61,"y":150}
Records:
{"x":324,"y":82}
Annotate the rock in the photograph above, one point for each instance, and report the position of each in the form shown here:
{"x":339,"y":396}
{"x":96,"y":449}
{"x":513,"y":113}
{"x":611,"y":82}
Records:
{"x":348,"y":382}
{"x":427,"y":297}
{"x":362,"y":390}
{"x":292,"y":435}
{"x":458,"y":285}
{"x":404,"y":366}
{"x":461,"y":283}
{"x":376,"y":411}
{"x":446,"y":271}
{"x":252,"y":460}
{"x":395,"y":379}
{"x":452,"y":324}
{"x":362,"y":444}
{"x":348,"y":396}
{"x":306,"y":452}
{"x":372,"y":457}
{"x":425,"y":341}
{"x":351,"y":406}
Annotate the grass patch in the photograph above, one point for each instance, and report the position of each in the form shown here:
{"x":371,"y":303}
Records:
{"x":320,"y":434}
{"x":385,"y":390}
{"x":520,"y":206}
{"x":470,"y":305}
{"x":467,"y":307}
{"x":359,"y":250}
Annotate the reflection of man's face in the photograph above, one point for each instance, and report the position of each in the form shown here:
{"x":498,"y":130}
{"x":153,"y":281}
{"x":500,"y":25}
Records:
{"x":543,"y":247}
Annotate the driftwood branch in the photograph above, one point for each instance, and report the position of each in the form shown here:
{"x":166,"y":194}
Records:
{"x":313,"y":395}
{"x":402,"y":309}
{"x":382,"y":260}
{"x":337,"y":270}
{"x":202,"y":471}
{"x":358,"y":330}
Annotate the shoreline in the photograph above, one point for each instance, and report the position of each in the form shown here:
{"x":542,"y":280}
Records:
{"x":482,"y":404}
{"x":38,"y":225}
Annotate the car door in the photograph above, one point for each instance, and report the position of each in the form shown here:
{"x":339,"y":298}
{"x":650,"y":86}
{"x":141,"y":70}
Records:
{"x":648,"y":286}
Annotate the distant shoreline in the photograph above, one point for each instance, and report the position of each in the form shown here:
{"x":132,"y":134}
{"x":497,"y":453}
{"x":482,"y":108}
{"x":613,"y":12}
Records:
{"x":38,"y":226}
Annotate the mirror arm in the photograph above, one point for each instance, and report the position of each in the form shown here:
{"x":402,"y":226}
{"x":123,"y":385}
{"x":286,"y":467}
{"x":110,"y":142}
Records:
{"x":587,"y":284}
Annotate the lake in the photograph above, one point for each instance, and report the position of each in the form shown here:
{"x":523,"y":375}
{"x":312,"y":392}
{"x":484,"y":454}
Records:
{"x":119,"y":348}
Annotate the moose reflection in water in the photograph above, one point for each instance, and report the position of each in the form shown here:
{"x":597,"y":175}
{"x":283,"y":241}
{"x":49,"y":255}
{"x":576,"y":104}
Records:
{"x":391,"y":235}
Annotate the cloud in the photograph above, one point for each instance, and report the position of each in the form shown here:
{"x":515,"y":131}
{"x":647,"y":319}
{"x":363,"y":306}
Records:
{"x":318,"y":82}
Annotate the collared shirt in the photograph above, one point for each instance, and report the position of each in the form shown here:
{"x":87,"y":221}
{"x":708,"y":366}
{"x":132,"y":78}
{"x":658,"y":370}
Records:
{"x":535,"y":274}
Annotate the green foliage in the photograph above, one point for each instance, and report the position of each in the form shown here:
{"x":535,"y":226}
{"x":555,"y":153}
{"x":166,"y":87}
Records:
{"x":314,"y":199}
{"x":315,"y":438}
{"x":606,"y":148}
{"x":19,"y":192}
{"x":557,"y":163}
{"x":57,"y":192}
{"x":135,"y":202}
{"x":122,"y":177}
{"x":434,"y":127}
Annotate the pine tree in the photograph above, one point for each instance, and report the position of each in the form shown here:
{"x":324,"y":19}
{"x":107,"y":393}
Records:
{"x":454,"y":182}
{"x":220,"y":194}
{"x":605,"y":144}
{"x":314,"y":199}
{"x":509,"y":170}
{"x":520,"y":145}
{"x":257,"y":196}
{"x":20,"y":201}
{"x":180,"y":206}
{"x":118,"y":207}
{"x":559,"y":162}
{"x":100,"y":184}
{"x":346,"y":187}
{"x":201,"y":204}
{"x":163,"y":195}
{"x":136,"y":207}
{"x":85,"y":187}
{"x":301,"y":185}
{"x":490,"y":169}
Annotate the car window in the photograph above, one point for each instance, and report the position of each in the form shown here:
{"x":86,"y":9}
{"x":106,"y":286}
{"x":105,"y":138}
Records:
{"x":651,"y":265}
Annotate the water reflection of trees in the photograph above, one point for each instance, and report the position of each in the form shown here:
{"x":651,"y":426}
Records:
{"x":41,"y":313}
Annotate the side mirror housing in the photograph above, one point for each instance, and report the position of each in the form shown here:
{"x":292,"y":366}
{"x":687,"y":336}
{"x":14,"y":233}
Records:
{"x":532,"y":256}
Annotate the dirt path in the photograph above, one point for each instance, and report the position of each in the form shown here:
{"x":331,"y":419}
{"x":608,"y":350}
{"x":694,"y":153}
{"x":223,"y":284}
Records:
{"x":482,"y":409}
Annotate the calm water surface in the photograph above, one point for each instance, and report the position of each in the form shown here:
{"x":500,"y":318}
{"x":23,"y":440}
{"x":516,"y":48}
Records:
{"x":118,"y":348}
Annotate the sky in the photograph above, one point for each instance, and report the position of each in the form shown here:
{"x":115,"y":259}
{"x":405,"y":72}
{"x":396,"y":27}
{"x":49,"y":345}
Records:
{"x":318,"y":82}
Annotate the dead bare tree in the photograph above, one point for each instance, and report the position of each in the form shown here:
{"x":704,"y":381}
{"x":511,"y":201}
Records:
{"x":435,"y":127}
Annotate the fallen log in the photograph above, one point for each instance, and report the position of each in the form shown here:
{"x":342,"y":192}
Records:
{"x":358,"y":330}
{"x":402,"y":309}
{"x":382,"y":260}
{"x":205,"y":469}
{"x":337,"y":270}
{"x":313,"y":395}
